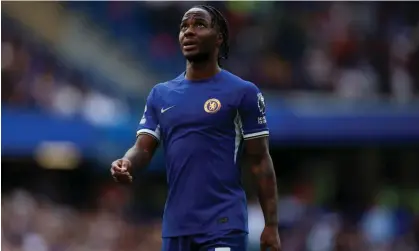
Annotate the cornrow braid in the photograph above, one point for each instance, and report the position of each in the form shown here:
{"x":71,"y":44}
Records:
{"x":219,"y":20}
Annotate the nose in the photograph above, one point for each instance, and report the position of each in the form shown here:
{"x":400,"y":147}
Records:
{"x":190,"y":31}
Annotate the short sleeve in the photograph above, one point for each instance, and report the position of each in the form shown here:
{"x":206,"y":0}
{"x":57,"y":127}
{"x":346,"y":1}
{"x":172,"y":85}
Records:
{"x":252,"y":112}
{"x":149,"y":123}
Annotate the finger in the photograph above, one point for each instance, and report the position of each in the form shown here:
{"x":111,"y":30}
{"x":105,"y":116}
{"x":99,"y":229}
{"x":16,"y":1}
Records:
{"x":274,"y":248}
{"x":127,"y":180}
{"x":125,"y":165}
{"x":123,"y":177}
{"x":117,"y":162}
{"x":263,"y":247}
{"x":117,"y":169}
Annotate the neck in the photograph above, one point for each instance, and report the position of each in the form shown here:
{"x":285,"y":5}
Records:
{"x":201,"y":70}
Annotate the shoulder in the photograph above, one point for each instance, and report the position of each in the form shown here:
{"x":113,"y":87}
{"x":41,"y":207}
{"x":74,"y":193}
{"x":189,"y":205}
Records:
{"x":240,"y":85}
{"x":166,"y":86}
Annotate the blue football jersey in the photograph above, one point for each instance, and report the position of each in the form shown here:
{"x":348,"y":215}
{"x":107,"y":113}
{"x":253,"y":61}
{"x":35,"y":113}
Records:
{"x":201,"y":125}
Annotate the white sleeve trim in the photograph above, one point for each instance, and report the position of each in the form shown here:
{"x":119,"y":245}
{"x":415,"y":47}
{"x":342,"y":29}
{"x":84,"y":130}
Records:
{"x":255,"y":135}
{"x":156,"y":133}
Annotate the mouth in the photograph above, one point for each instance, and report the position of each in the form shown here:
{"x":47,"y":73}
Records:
{"x":189,"y":45}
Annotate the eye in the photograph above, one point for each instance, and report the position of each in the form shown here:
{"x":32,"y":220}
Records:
{"x":182,"y":26}
{"x":201,"y":24}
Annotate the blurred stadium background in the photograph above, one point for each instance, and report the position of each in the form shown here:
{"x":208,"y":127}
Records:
{"x":341,"y":82}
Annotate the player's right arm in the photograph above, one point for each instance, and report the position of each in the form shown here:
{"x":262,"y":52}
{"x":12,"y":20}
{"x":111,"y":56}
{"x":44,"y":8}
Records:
{"x":140,"y":155}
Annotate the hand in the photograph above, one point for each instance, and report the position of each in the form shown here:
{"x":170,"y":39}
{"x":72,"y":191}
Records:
{"x":121,"y":171}
{"x":269,"y":240}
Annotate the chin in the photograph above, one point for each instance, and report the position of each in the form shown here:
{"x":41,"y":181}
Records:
{"x":195,"y":56}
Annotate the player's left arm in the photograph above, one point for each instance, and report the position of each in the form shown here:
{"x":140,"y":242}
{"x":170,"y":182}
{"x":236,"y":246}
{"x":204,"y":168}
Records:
{"x":257,"y":153}
{"x":252,"y":113}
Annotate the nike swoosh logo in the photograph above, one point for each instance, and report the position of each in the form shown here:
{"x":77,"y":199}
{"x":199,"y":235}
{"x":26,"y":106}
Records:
{"x":164,"y":110}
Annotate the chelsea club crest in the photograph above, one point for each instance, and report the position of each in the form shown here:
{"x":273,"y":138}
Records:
{"x":212,"y":105}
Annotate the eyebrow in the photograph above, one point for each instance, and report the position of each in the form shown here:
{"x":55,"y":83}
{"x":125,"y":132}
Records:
{"x":196,"y":16}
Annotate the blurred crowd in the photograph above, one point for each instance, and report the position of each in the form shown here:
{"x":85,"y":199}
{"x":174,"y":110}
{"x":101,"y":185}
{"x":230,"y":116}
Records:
{"x":34,"y":77}
{"x":353,"y":50}
{"x":34,"y":223}
{"x":31,"y":223}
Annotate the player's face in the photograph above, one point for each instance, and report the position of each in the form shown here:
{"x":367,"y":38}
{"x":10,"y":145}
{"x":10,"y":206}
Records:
{"x":197,"y":37}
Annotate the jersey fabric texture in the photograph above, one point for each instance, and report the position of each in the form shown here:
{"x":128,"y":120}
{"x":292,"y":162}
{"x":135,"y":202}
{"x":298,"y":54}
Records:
{"x":201,"y":125}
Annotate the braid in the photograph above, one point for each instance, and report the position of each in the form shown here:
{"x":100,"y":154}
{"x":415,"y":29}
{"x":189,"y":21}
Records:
{"x":219,"y":20}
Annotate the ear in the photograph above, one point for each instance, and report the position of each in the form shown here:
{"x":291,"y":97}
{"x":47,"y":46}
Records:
{"x":219,"y":39}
